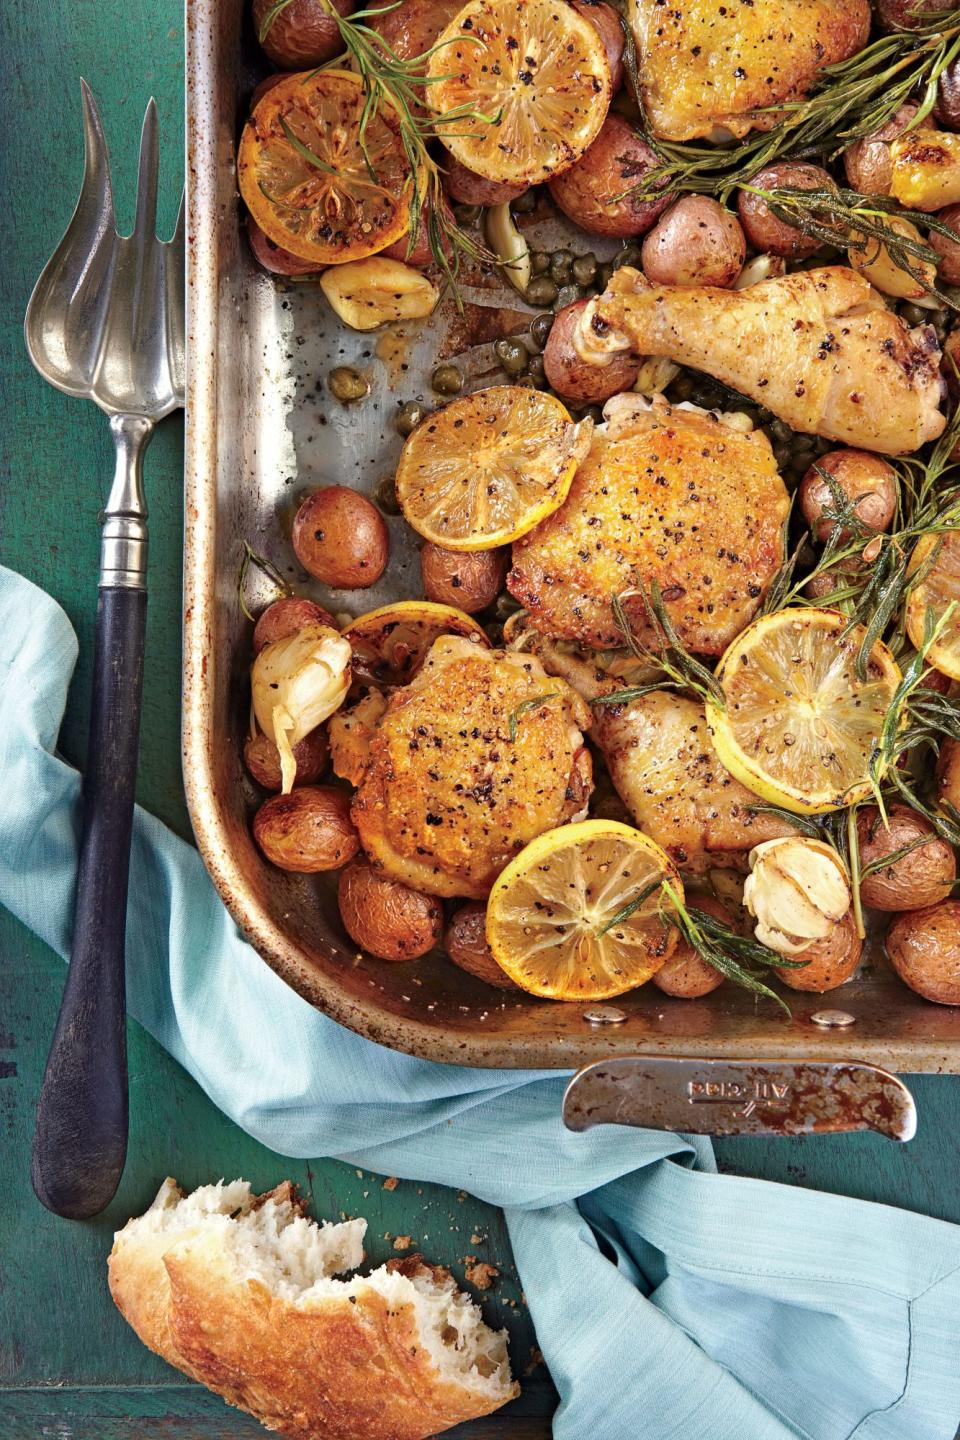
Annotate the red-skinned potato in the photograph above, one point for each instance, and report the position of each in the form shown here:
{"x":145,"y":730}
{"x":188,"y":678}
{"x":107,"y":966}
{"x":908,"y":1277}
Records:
{"x":264,"y":88}
{"x":302,"y":34}
{"x":908,"y":14}
{"x":468,"y":580}
{"x":867,"y":162}
{"x":763,"y":229}
{"x":385,"y":918}
{"x":262,"y":758}
{"x":686,"y":974}
{"x":946,"y":111}
{"x":341,"y":538}
{"x":948,"y":774}
{"x":924,"y":949}
{"x":285,"y":617}
{"x":920,"y":878}
{"x":606,"y":22}
{"x":829,"y":962}
{"x":307,"y":831}
{"x":858,"y":473}
{"x":575,"y":379}
{"x":466,"y":188}
{"x":615,"y":161}
{"x":695,"y":242}
{"x":273,"y":257}
{"x":948,"y":250}
{"x":466,"y":945}
{"x":421,"y":255}
{"x":412,"y":27}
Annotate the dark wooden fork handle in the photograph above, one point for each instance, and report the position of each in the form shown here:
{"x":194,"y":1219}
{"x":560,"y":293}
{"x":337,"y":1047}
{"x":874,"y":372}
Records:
{"x":80,"y":1142}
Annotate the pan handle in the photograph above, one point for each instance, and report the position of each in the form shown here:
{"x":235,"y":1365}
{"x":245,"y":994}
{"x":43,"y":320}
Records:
{"x":740,"y":1097}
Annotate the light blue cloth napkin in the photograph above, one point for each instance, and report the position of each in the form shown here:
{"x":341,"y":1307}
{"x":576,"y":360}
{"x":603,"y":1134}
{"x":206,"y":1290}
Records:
{"x":670,"y":1302}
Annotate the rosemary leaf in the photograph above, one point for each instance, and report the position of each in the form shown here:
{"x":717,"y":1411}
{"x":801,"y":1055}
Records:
{"x":629,"y":909}
{"x":532,"y":704}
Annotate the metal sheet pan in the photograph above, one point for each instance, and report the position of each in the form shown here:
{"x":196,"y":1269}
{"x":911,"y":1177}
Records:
{"x":260,"y":429}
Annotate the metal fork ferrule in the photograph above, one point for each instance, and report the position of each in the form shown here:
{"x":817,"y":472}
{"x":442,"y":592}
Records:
{"x":123,"y":547}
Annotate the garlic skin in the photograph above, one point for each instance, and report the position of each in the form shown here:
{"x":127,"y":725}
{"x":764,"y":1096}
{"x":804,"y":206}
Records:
{"x":797,"y":891}
{"x":297,"y":682}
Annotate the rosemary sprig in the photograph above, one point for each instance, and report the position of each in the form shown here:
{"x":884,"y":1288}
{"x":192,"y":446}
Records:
{"x":851,"y":99}
{"x":250,"y":557}
{"x":525,"y":707}
{"x":736,"y":957}
{"x":669,"y":653}
{"x":398,"y":85}
{"x":848,"y":220}
{"x":631,"y":907}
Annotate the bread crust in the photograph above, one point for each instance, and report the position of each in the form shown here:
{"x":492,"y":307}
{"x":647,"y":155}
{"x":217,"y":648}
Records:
{"x":339,"y":1368}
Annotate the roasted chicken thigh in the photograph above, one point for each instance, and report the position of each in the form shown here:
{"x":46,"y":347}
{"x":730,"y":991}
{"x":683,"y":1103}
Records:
{"x":475,"y":757}
{"x":819,"y":348}
{"x":707,"y":67}
{"x":666,"y":494}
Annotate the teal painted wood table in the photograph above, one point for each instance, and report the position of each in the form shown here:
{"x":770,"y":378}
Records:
{"x":69,"y":1367}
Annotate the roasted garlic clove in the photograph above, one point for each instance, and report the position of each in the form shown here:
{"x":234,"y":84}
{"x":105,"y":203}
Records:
{"x":369,"y":293}
{"x":797,"y":891}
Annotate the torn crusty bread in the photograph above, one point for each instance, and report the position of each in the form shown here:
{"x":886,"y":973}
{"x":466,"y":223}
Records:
{"x":238,"y":1291}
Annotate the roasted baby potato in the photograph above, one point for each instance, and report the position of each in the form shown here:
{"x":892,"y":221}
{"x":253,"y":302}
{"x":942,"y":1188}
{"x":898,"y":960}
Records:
{"x":273,"y":257}
{"x":466,"y":945}
{"x":341,"y":538}
{"x":588,"y":192}
{"x":948,"y":250}
{"x":285,"y":617}
{"x":946,"y":111}
{"x":466,"y":188}
{"x":863,"y":478}
{"x":686,"y":974}
{"x":695,"y":242}
{"x":948,"y":774}
{"x":829,"y":962}
{"x":386,"y":918}
{"x":262,"y":758}
{"x":308,"y":830}
{"x":301,"y":34}
{"x":763,"y":229}
{"x":606,"y":21}
{"x":921,"y":877}
{"x":924,"y":949}
{"x":471,"y":580}
{"x":574,"y":378}
{"x":867,"y":162}
{"x":908,"y":14}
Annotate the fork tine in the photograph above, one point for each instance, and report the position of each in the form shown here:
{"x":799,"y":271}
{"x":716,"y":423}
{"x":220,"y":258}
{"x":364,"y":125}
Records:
{"x":146,"y":221}
{"x":176,"y":258}
{"x":96,"y":192}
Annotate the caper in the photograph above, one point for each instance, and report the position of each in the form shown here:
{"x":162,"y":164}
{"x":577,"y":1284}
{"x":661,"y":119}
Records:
{"x":385,"y":496}
{"x":446,"y":380}
{"x":504,"y":606}
{"x":604,"y":272}
{"x":347,"y":384}
{"x":682,"y":387}
{"x":467,"y":214}
{"x":952,"y":292}
{"x":915,"y":315}
{"x":941,"y":324}
{"x":566,"y":295}
{"x":512,"y":355}
{"x":535,"y":368}
{"x":629,"y":255}
{"x":526,"y":382}
{"x":781,"y":455}
{"x":408,"y":417}
{"x":585,"y":268}
{"x":780,"y":430}
{"x":539,"y":331}
{"x":541,"y":290}
{"x":561,"y":262}
{"x":539,"y":262}
{"x":525,"y":203}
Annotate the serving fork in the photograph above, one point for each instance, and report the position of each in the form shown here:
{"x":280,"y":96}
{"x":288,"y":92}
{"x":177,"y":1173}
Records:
{"x":105,"y":323}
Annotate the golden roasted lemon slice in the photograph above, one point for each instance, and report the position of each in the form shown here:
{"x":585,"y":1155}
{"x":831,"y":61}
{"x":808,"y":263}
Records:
{"x":937,"y":590}
{"x":490,"y":466}
{"x":525,"y":87}
{"x":306,"y":179}
{"x":390,"y":644}
{"x":579,"y":914}
{"x":797,"y":726}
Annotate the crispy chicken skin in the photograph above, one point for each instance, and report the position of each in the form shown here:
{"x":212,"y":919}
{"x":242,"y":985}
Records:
{"x":448,"y":798}
{"x":705,"y":65}
{"x":662,"y":764}
{"x":670,"y":494}
{"x":818,"y":348}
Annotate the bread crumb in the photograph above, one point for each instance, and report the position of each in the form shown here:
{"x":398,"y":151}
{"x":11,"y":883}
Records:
{"x":482,"y":1275}
{"x":536,"y":1359}
{"x":402,"y":1242}
{"x":391,"y":1183}
{"x":476,"y":1239}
